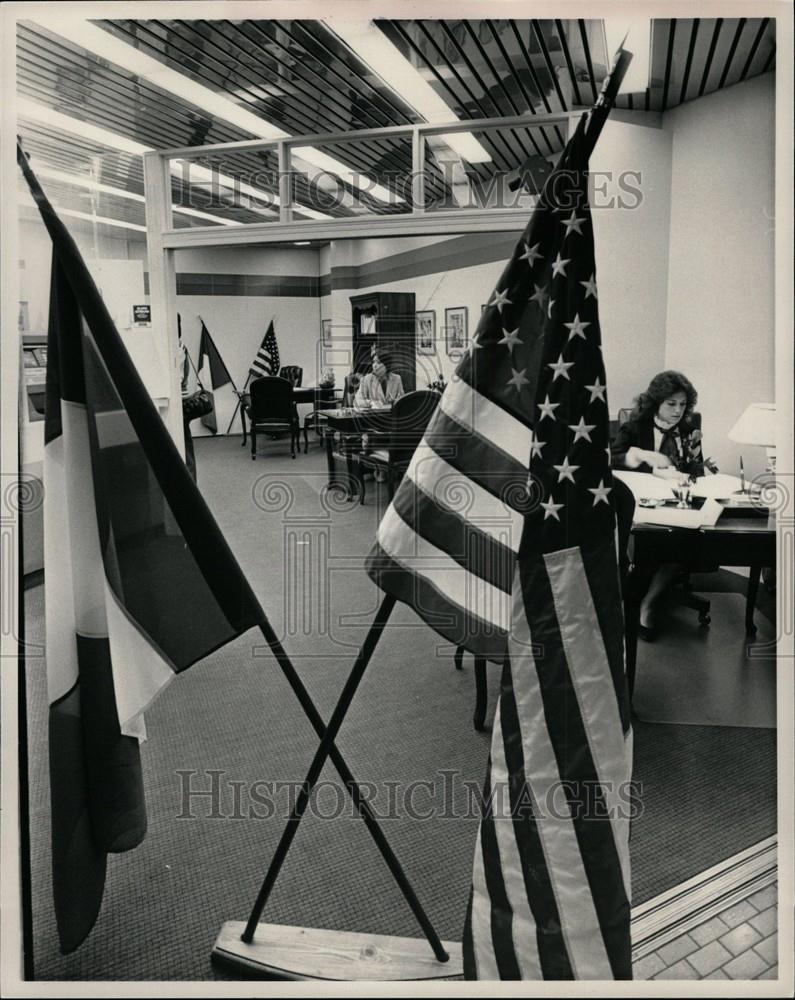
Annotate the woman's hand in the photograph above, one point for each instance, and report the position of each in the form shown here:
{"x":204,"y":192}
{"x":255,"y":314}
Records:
{"x":670,"y":472}
{"x":656,"y":460}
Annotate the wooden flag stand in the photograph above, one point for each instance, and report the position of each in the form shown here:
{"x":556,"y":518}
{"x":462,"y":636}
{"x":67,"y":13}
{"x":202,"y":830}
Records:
{"x":271,"y":951}
{"x":274,"y":951}
{"x":305,"y":953}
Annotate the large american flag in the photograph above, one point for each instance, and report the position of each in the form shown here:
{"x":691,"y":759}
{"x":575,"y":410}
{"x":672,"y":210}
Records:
{"x":502,"y":537}
{"x":267,"y":360}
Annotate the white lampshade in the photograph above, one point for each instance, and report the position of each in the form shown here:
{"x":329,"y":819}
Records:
{"x":757,"y":426}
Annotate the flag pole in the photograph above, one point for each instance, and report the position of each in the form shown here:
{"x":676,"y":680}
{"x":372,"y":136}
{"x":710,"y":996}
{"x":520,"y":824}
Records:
{"x":239,"y":404}
{"x":326,"y":749}
{"x":611,"y":85}
{"x":212,"y":341}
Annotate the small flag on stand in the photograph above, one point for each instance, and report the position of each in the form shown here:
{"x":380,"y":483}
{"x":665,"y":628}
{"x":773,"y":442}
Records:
{"x":217,"y":376}
{"x":524,"y":572}
{"x":139,"y":581}
{"x":267,"y":360}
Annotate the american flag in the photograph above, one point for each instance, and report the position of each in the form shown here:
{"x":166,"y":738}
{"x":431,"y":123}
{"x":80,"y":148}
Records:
{"x":267,"y":359}
{"x":502,"y":537}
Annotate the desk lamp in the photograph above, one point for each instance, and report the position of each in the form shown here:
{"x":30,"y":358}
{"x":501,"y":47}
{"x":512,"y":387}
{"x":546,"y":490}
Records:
{"x":757,"y":426}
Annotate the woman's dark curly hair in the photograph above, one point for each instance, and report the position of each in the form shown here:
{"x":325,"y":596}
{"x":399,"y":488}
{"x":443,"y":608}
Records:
{"x":662,"y":387}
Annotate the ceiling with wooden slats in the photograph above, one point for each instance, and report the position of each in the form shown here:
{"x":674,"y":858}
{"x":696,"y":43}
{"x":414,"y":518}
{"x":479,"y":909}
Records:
{"x":302,"y":78}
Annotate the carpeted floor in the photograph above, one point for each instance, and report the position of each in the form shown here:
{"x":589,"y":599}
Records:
{"x":231,"y":723}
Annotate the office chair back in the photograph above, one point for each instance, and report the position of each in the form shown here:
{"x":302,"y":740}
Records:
{"x":411,"y":414}
{"x":694,"y":420}
{"x":271,"y":400}
{"x":624,"y":506}
{"x":293,"y":373}
{"x":350,"y":388}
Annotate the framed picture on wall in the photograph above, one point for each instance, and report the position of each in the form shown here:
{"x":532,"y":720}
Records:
{"x":426,"y":331}
{"x":455,"y":330}
{"x":325,"y":332}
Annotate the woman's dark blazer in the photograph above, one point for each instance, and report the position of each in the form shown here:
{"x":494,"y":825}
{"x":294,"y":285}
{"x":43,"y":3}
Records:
{"x":635,"y":433}
{"x":639,"y":433}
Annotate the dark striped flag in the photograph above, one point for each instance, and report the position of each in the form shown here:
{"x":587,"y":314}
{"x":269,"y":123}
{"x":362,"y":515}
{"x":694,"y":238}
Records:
{"x":502,"y":537}
{"x":267,"y":360}
{"x":217,"y":373}
{"x":139,"y":581}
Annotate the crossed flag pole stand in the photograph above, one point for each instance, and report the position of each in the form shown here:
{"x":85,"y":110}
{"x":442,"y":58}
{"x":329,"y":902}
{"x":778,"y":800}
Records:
{"x":247,"y":949}
{"x":271,"y":950}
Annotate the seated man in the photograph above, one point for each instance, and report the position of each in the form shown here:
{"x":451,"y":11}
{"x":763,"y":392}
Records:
{"x":380,"y":386}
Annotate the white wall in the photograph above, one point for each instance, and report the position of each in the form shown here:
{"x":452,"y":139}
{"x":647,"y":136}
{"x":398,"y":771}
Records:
{"x":720,"y":297}
{"x":35,"y":249}
{"x":467,"y":286}
{"x":239,"y":322}
{"x":631,"y":235}
{"x":631,"y":241}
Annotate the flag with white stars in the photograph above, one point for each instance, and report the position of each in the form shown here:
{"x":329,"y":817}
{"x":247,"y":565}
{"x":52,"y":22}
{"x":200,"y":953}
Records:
{"x":501,"y":536}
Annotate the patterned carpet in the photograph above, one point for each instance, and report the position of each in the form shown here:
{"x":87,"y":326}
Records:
{"x":707,"y":792}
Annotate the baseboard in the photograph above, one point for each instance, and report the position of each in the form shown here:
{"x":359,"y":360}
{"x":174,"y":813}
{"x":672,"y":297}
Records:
{"x":678,"y":910}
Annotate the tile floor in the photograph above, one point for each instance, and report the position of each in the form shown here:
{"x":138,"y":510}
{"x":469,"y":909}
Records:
{"x":741,"y":942}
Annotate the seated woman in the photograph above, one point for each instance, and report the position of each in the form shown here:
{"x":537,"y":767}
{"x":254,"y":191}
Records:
{"x":660,"y":437}
{"x":381,"y":385}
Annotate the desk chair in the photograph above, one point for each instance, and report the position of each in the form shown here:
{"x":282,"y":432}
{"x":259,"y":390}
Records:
{"x":409,"y":418}
{"x":325,"y":400}
{"x":346,"y":446}
{"x":271,"y":410}
{"x":624,"y":506}
{"x":293,"y":373}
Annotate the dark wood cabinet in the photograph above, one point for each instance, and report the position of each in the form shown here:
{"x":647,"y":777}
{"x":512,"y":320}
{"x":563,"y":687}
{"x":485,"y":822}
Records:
{"x":385,"y":320}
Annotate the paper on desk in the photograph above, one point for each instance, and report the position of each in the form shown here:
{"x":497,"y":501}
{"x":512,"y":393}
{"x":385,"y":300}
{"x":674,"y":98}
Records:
{"x":673,"y":517}
{"x":720,"y":486}
{"x":645,"y":486}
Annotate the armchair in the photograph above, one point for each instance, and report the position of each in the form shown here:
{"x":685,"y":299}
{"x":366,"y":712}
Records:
{"x":293,"y":373}
{"x":271,"y":410}
{"x":325,"y":399}
{"x":409,"y":418}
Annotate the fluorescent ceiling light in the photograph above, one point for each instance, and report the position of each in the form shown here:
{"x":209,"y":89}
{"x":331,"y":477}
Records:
{"x":88,"y":35}
{"x":105,"y":45}
{"x":76,"y":180}
{"x":182,"y":169}
{"x":351,"y":177}
{"x":26,"y":198}
{"x":638,"y":41}
{"x":83,"y":130}
{"x":101,"y":219}
{"x":374,"y":48}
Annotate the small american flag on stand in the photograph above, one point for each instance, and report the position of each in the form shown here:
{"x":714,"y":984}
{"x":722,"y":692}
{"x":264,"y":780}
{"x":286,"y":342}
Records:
{"x":523,"y":570}
{"x":267,"y":360}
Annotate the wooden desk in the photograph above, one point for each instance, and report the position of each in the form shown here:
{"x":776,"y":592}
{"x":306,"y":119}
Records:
{"x":350,"y":424}
{"x":740,"y":538}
